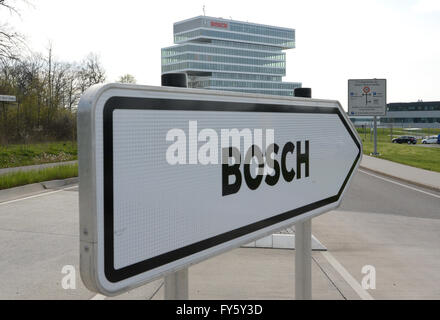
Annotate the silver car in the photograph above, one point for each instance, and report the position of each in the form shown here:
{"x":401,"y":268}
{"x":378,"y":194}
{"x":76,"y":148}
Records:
{"x":430,"y":139}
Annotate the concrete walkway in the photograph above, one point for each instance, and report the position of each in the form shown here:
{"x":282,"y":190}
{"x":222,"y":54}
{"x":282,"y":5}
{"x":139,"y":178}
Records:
{"x":416,"y":176}
{"x":39,"y":237}
{"x":399,"y":237}
{"x":36,"y":167}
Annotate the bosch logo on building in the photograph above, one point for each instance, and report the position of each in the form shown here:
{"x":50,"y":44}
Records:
{"x":219,"y":24}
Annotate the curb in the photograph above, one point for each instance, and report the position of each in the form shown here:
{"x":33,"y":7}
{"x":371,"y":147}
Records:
{"x":422,"y":185}
{"x":37,"y":167}
{"x":34,"y":188}
{"x":54,"y":184}
{"x":17,"y":192}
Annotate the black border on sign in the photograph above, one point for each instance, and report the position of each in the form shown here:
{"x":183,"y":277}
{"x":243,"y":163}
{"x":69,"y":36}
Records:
{"x":115,"y":275}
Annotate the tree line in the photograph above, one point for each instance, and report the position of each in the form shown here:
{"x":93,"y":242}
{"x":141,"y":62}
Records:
{"x":47,"y":90}
{"x":47,"y":93}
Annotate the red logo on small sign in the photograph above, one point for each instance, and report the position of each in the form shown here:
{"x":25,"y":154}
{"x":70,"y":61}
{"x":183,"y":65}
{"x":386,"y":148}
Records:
{"x":219,"y":24}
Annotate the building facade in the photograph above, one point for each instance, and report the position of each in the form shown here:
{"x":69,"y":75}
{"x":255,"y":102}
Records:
{"x":407,"y":114}
{"x":230,"y":55}
{"x":417,"y":114}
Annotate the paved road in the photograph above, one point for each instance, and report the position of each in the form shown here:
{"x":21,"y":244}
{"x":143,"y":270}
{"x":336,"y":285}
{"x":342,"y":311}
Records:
{"x":392,"y":226}
{"x":395,"y":228}
{"x":370,"y":194}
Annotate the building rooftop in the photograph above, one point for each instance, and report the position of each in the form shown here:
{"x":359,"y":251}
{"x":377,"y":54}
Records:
{"x":231,"y":20}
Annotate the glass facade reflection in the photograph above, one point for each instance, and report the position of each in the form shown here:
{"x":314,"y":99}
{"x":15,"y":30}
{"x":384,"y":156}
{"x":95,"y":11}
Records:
{"x":231,"y":55}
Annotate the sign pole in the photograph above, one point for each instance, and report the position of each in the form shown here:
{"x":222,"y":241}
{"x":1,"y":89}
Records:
{"x":391,"y":133}
{"x":303,"y":242}
{"x":176,"y":285}
{"x":303,"y":260}
{"x":375,"y":137}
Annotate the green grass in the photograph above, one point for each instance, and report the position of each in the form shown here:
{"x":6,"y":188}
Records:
{"x":421,"y":157}
{"x":20,"y":178}
{"x":30,"y":154}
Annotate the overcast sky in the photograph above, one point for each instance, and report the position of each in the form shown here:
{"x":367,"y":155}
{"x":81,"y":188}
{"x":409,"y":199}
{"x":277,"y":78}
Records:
{"x":335,"y":40}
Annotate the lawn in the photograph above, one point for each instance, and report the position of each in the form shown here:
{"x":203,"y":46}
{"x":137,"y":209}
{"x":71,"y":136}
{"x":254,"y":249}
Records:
{"x":414,"y":155}
{"x":30,"y":154}
{"x":20,"y":178}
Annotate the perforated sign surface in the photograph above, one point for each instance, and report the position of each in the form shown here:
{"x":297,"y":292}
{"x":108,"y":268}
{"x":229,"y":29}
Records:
{"x":163,"y":183}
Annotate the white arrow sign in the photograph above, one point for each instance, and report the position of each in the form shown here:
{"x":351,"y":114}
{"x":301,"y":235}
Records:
{"x":172,"y":176}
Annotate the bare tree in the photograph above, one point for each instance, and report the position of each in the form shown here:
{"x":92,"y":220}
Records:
{"x":7,"y":4}
{"x":73,"y":86}
{"x":11,"y":42}
{"x":91,"y":72}
{"x":127,"y":78}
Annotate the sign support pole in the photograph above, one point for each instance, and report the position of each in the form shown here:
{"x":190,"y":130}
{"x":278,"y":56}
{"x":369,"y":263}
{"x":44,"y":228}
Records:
{"x":303,"y":242}
{"x":303,"y":260}
{"x":375,"y":137}
{"x":176,"y":285}
{"x":391,"y":133}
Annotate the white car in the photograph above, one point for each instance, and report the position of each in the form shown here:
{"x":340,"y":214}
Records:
{"x":431,"y":139}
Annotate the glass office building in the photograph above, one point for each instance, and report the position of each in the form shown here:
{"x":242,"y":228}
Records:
{"x":230,"y":55}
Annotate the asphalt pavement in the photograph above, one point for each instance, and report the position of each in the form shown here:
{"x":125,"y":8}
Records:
{"x":390,"y":225}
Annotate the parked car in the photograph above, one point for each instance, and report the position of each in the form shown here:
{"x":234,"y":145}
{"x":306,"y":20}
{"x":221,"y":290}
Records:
{"x":405,"y":139}
{"x":431,"y":139}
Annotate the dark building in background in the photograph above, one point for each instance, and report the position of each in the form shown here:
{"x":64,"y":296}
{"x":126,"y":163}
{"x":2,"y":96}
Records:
{"x":418,"y":114}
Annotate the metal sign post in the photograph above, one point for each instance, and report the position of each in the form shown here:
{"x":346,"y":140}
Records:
{"x":172,"y":176}
{"x":375,"y":153}
{"x":303,"y":260}
{"x":176,"y":283}
{"x":303,"y":242}
{"x":391,"y":130}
